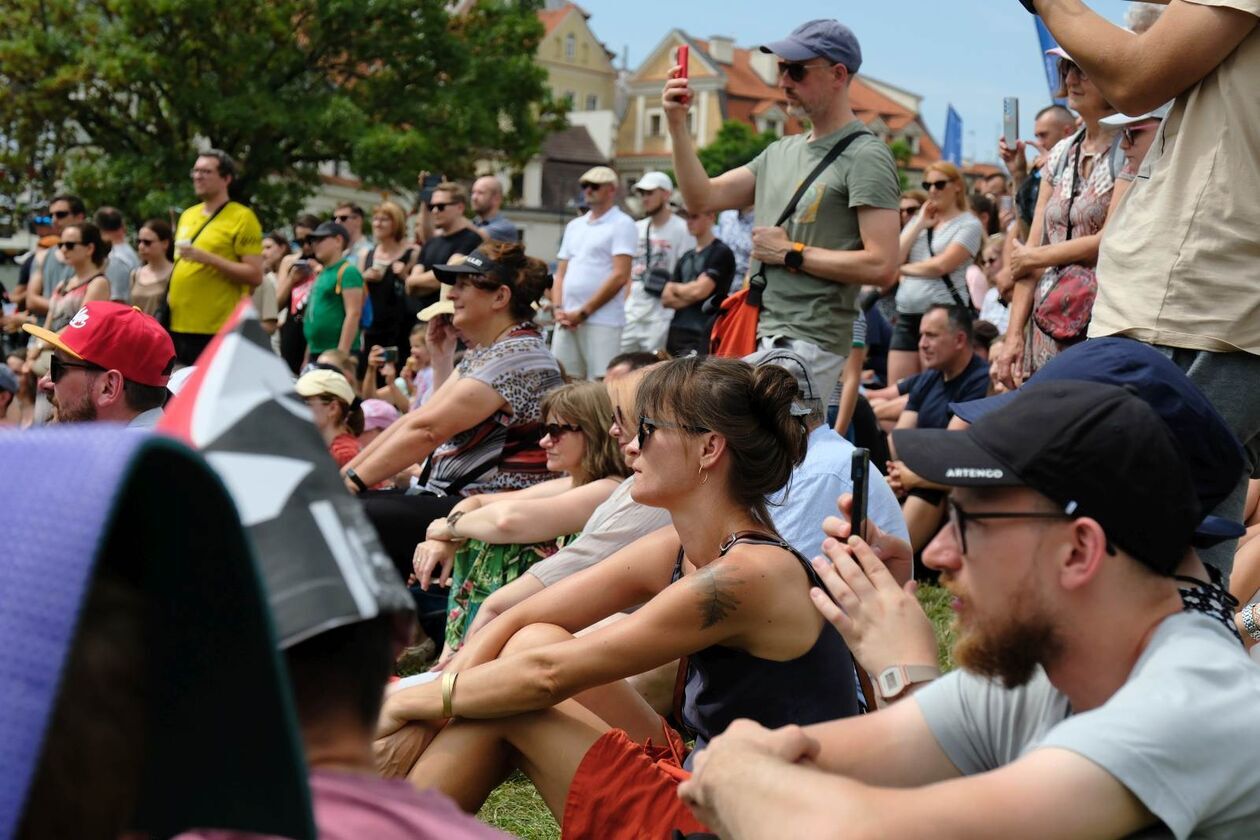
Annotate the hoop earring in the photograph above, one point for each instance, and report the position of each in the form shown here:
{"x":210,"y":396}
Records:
{"x":701,"y":472}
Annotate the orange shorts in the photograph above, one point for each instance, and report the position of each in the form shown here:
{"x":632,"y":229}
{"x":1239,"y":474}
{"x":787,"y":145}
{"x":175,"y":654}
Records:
{"x":627,"y":791}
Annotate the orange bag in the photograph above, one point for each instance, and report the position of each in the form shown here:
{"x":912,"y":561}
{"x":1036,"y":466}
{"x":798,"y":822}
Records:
{"x":735,"y":330}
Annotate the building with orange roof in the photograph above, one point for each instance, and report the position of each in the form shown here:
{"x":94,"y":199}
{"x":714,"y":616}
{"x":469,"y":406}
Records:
{"x":735,"y":83}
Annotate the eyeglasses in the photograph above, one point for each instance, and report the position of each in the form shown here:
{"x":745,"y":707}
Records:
{"x":936,"y":185}
{"x":587,"y":186}
{"x":796,"y":71}
{"x":203,"y":172}
{"x":958,"y":519}
{"x":68,"y":246}
{"x":1130,"y":133}
{"x":437,"y":208}
{"x":60,"y":366}
{"x":60,"y":214}
{"x":648,"y":427}
{"x":555,"y":430}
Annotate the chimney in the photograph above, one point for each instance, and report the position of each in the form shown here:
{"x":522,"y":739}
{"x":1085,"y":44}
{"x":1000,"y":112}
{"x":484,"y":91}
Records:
{"x":721,"y":49}
{"x":764,"y":65}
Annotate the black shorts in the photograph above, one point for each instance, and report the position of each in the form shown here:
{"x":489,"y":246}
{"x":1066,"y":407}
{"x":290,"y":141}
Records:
{"x":905,"y":334}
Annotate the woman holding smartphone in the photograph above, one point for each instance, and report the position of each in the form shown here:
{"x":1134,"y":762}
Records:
{"x":385,"y":269}
{"x":715,"y":437}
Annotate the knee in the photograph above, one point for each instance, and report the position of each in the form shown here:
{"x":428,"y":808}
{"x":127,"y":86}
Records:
{"x":535,"y":636}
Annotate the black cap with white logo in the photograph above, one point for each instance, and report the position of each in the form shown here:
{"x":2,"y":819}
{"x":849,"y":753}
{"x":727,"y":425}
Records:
{"x":1097,"y":450}
{"x":475,"y":263}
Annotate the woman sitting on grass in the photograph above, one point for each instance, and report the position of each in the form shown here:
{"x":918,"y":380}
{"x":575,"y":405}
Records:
{"x":715,"y":436}
{"x":491,"y":539}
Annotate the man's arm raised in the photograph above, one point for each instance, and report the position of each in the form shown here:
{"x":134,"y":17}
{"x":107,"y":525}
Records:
{"x":700,"y":192}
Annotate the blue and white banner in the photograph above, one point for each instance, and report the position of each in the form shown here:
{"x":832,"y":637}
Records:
{"x":952,"y":150}
{"x":1047,"y":42}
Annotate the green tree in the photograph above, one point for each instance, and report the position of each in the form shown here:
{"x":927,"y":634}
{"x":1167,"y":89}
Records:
{"x":113,"y":98}
{"x":902,"y":154}
{"x":735,"y":145}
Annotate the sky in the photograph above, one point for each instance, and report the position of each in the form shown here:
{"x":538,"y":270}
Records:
{"x":968,"y":53}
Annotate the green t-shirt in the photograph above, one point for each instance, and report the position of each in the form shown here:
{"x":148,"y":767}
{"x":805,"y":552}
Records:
{"x":797,"y":305}
{"x":326,"y":310}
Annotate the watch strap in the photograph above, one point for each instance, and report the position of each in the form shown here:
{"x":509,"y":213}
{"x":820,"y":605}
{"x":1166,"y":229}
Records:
{"x":909,"y":675}
{"x":355,"y":480}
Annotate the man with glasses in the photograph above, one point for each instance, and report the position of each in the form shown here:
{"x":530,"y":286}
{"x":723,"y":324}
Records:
{"x":111,"y":362}
{"x":218,"y":257}
{"x":350,"y":216}
{"x":663,"y":237}
{"x":593,"y":268}
{"x":48,"y":269}
{"x":1090,"y":701}
{"x":843,"y":232}
{"x":453,"y":234}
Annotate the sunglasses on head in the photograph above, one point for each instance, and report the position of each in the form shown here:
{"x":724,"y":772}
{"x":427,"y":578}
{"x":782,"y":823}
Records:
{"x":555,"y":430}
{"x":796,"y":70}
{"x":59,"y":367}
{"x":648,"y":427}
{"x":935,"y":185}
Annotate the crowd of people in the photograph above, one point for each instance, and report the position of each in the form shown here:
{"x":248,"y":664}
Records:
{"x":653,"y":577}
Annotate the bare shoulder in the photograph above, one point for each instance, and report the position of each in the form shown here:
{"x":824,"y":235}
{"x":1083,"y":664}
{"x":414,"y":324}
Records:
{"x":739,"y":582}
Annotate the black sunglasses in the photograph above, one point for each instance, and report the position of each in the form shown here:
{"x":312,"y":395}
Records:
{"x":1130,"y":133}
{"x":796,"y":71}
{"x":68,"y":246}
{"x":60,"y":214}
{"x":60,"y":366}
{"x":909,"y":210}
{"x":648,"y":427}
{"x":437,"y":208}
{"x":935,"y":185}
{"x":142,"y":241}
{"x":555,"y":430}
{"x":958,"y":519}
{"x":587,"y":185}
{"x":342,"y":218}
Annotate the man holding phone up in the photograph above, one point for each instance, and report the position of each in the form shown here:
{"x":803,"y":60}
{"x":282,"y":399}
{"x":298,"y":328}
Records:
{"x":843,"y":233}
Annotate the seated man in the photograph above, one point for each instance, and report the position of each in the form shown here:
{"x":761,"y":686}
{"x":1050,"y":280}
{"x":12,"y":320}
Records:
{"x":955,"y":372}
{"x":1092,"y":703}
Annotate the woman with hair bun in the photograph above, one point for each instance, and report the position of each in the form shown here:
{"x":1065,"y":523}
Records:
{"x":720,"y":590}
{"x":481,"y":427}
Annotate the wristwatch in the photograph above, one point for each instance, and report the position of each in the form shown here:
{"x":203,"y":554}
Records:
{"x":355,"y":480}
{"x":894,"y":681}
{"x":795,"y":258}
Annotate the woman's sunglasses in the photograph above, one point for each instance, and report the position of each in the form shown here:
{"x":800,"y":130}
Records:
{"x":555,"y":430}
{"x":648,"y":427}
{"x":935,"y":185}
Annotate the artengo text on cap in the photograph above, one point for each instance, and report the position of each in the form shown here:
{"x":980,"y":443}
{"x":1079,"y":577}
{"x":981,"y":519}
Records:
{"x":973,"y":472}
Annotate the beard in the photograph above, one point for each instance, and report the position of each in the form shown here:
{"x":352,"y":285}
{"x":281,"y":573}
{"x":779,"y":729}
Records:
{"x":83,"y":411}
{"x":1010,"y":646}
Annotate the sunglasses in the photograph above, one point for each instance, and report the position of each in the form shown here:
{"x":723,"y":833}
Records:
{"x":60,"y":366}
{"x":555,"y":430}
{"x":588,"y":186}
{"x":68,"y":246}
{"x":141,"y":241}
{"x":648,"y":427}
{"x":437,"y":208}
{"x":935,"y":185}
{"x":796,"y":71}
{"x":1130,"y":133}
{"x":914,"y":209}
{"x":60,"y":214}
{"x":344,"y":218}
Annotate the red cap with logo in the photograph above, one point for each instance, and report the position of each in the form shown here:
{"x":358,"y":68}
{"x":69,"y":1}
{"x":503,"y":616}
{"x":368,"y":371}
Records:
{"x":118,"y":337}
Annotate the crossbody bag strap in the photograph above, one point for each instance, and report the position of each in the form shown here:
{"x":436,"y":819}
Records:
{"x":949,"y":282}
{"x":757,"y":283}
{"x":206,"y":224}
{"x":340,"y":273}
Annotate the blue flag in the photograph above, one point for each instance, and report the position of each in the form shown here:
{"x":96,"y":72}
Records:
{"x":1051,"y":61}
{"x":952,"y":150}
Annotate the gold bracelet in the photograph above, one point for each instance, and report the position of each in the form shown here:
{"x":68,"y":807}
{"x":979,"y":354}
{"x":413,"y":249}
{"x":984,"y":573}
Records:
{"x":448,"y":692}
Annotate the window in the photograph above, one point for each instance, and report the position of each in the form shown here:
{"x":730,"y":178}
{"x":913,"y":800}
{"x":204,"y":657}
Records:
{"x":774,"y":127}
{"x":570,"y":46}
{"x":654,"y":125}
{"x":592,"y":102}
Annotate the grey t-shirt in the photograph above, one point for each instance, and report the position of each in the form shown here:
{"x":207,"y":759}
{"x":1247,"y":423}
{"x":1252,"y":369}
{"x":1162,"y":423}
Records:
{"x":797,"y":305}
{"x":616,"y":523}
{"x":118,"y":267}
{"x":1180,"y":733}
{"x":916,"y":294}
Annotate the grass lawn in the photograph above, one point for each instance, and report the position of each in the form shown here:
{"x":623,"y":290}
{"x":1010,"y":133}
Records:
{"x":518,"y":809}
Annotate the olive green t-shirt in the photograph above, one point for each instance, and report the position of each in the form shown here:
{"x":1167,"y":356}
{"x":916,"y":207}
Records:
{"x":797,"y":305}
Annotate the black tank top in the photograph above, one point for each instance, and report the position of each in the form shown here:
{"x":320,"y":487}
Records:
{"x":389,"y":305}
{"x":725,"y":684}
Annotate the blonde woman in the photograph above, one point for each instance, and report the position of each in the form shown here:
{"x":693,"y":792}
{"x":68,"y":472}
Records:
{"x":489,"y":540}
{"x":937,"y":246}
{"x":385,"y":269}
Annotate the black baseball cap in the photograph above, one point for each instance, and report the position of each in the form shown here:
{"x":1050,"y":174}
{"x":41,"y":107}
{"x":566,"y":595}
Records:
{"x":327,"y":229}
{"x":475,"y":263}
{"x":1097,"y":450}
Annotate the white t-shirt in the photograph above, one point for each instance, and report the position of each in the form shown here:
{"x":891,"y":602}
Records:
{"x":669,"y":242}
{"x":1180,"y":733}
{"x":916,"y":294}
{"x":589,"y":246}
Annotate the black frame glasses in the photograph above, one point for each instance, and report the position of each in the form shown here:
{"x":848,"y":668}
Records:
{"x":958,"y":518}
{"x":936,"y":185}
{"x":68,"y":246}
{"x":1129,"y":132}
{"x":555,"y":430}
{"x":58,"y":367}
{"x":60,"y":214}
{"x":910,"y":210}
{"x":343,"y":218}
{"x":648,"y":427}
{"x":796,"y":70}
{"x":587,"y":185}
{"x":436,"y":207}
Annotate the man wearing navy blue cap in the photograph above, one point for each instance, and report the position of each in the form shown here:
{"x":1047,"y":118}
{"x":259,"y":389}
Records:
{"x":1090,"y":701}
{"x":842,"y":230}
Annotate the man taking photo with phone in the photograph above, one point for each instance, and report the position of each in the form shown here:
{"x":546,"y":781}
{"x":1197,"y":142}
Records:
{"x":842,"y":233}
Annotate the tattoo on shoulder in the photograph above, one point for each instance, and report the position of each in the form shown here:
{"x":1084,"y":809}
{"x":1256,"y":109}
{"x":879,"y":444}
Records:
{"x":716,"y":598}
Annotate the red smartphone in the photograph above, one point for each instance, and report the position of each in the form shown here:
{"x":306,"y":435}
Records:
{"x":684,"y":54}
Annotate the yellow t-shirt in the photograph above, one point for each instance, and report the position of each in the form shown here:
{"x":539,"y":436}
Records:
{"x":1177,"y":264}
{"x":202,"y":297}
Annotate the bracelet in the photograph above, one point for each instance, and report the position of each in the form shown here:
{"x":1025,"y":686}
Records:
{"x":448,"y":693}
{"x":355,"y":480}
{"x":1249,"y":621}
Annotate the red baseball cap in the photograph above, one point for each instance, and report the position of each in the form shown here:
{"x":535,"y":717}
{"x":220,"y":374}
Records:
{"x":118,"y":337}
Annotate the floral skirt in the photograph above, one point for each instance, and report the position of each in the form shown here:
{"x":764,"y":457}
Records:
{"x":480,"y":569}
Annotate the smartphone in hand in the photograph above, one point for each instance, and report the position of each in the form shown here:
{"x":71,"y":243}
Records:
{"x":1010,"y":120}
{"x":684,"y":57}
{"x":389,"y":354}
{"x":860,"y":471}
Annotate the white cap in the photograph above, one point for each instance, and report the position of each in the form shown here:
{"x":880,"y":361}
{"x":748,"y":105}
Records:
{"x":1121,"y":120}
{"x":655,"y":181}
